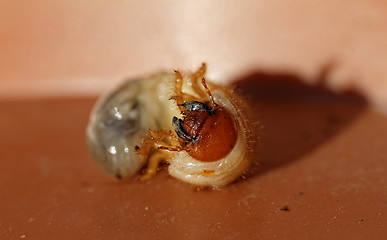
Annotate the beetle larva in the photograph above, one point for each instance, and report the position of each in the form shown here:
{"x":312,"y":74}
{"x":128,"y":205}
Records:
{"x":201,"y":131}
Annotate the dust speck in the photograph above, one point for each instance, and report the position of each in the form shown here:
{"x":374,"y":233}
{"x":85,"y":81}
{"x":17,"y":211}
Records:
{"x":285,"y":209}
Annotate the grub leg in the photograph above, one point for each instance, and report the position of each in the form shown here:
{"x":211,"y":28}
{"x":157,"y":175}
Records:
{"x":195,"y":78}
{"x":153,"y":164}
{"x":180,"y":97}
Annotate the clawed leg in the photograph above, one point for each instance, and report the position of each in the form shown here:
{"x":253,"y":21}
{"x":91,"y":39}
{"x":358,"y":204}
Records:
{"x":178,"y":89}
{"x":155,"y":139}
{"x":181,"y":97}
{"x":195,"y":81}
{"x":153,"y":163}
{"x":200,"y":89}
{"x":203,"y":91}
{"x":152,"y":147}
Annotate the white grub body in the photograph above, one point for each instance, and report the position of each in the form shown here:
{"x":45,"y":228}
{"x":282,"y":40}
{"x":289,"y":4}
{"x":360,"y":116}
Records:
{"x":121,"y":119}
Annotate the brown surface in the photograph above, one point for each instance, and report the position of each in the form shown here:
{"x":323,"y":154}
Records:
{"x":322,"y":175}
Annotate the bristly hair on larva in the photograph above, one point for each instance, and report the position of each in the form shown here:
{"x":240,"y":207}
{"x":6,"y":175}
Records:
{"x":204,"y":132}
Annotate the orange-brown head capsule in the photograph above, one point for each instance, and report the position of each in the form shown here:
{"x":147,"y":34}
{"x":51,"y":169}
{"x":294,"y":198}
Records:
{"x":208,"y":132}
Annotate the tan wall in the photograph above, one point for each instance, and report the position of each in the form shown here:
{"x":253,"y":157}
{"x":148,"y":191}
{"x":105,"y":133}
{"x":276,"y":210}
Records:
{"x":81,"y":47}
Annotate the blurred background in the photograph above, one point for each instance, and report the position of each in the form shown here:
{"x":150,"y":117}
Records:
{"x":314,"y":73}
{"x":51,"y":48}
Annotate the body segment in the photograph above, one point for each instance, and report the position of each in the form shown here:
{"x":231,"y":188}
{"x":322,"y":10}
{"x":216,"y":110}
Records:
{"x":200,"y":131}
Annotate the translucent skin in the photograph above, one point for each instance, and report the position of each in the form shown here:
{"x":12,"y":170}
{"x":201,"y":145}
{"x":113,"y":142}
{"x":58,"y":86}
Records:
{"x":215,"y":138}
